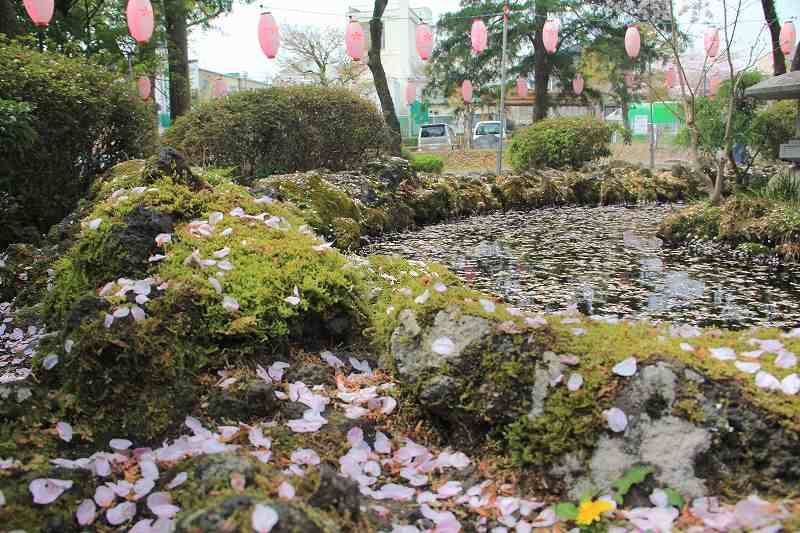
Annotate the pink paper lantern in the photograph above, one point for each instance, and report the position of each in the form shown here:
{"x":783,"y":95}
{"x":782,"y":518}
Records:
{"x":522,"y":87}
{"x":479,"y":35}
{"x":411,"y":92}
{"x":140,"y":20}
{"x":713,"y":85}
{"x":711,"y":42}
{"x":40,"y":11}
{"x":143,"y":83}
{"x":577,"y":84}
{"x":354,"y":40}
{"x":219,"y":89}
{"x":424,"y":41}
{"x":787,"y":37}
{"x":466,"y":91}
{"x":633,"y":42}
{"x":550,"y":36}
{"x":269,"y":35}
{"x":671,"y":76}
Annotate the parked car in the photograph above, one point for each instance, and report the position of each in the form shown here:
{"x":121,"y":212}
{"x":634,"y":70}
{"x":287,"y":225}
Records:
{"x":436,"y":137}
{"x":485,"y":133}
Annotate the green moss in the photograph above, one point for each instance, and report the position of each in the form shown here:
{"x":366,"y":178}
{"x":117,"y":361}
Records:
{"x":347,"y":233}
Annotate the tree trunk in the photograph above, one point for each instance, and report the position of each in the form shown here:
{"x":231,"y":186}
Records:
{"x":778,"y":59}
{"x":541,"y":67}
{"x":180,"y":94}
{"x":379,"y":75}
{"x":8,"y":19}
{"x":626,"y":123}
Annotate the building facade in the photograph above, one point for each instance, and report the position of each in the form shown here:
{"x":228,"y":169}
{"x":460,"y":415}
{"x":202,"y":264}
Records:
{"x":203,"y":80}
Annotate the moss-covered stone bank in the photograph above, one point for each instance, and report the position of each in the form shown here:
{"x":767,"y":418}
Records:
{"x":185,"y":295}
{"x":751,"y":225}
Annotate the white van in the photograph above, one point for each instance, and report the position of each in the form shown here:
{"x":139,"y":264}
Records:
{"x":436,"y":137}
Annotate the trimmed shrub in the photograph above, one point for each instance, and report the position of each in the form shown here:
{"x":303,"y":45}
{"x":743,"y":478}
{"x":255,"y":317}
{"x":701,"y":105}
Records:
{"x":427,"y":164}
{"x":773,"y":126}
{"x":559,"y":142}
{"x":281,"y":129}
{"x":62,"y":120}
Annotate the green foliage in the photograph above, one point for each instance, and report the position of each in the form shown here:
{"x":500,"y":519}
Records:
{"x":784,"y":186}
{"x":62,"y":121}
{"x":673,"y":498}
{"x":427,"y":163}
{"x":281,"y":129}
{"x":632,"y":476}
{"x":773,"y":126}
{"x":559,"y":142}
{"x":566,"y":511}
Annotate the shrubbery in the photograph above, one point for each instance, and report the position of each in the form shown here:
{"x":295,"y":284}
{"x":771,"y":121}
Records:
{"x":62,"y":120}
{"x":281,"y":129}
{"x":427,"y":163}
{"x":773,"y":126}
{"x":559,"y":142}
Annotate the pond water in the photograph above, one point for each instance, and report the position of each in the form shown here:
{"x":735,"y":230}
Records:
{"x":605,"y":261}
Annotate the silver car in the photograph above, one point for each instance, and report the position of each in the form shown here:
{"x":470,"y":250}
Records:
{"x":436,"y":137}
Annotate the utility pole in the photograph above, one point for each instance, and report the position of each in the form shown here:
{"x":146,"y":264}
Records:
{"x":502,"y":91}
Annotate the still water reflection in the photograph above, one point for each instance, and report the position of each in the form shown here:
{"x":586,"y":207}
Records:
{"x":605,"y":260}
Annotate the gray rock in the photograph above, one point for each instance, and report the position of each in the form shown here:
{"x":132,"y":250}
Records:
{"x":336,"y":493}
{"x":412,"y":351}
{"x":232,"y":514}
{"x":212,"y":470}
{"x":546,"y":372}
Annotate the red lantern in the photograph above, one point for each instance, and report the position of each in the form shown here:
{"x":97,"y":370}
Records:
{"x":466,"y":91}
{"x":577,"y":84}
{"x":411,"y":92}
{"x":269,"y":36}
{"x":219,"y":89}
{"x":550,"y":36}
{"x":479,"y":35}
{"x":40,"y":11}
{"x":140,"y":20}
{"x":354,"y":39}
{"x":522,"y":87}
{"x":671,"y":75}
{"x":711,"y":42}
{"x":787,"y":37}
{"x":424,"y":41}
{"x":143,"y":84}
{"x":633,"y":42}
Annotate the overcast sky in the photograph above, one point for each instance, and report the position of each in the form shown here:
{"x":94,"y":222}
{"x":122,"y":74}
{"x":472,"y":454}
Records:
{"x":232,"y":46}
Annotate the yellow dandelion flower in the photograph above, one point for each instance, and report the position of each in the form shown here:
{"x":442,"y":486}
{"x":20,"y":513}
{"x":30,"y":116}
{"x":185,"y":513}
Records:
{"x":590,"y":511}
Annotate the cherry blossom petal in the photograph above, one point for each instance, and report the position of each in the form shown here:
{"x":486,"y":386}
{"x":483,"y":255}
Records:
{"x":46,"y":491}
{"x":388,"y":404}
{"x":723,"y":354}
{"x":655,"y":519}
{"x":50,"y":361}
{"x":286,"y":491}
{"x":104,"y":496}
{"x":142,"y":526}
{"x":86,"y":513}
{"x":120,"y":444}
{"x":786,"y":360}
{"x":64,"y":431}
{"x":443,"y":346}
{"x":305,"y":456}
{"x":790,"y":384}
{"x":264,"y":518}
{"x":178,"y":480}
{"x":765,"y":380}
{"x":331,"y":359}
{"x":625,"y":368}
{"x":160,"y":504}
{"x":355,"y":436}
{"x":617,"y":420}
{"x":121,"y":513}
{"x":750,"y":368}
{"x":230,"y":304}
{"x":574,"y":382}
{"x":382,"y":443}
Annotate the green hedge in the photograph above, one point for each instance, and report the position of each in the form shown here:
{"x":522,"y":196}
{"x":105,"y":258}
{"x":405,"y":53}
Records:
{"x":773,"y":126}
{"x":427,"y":163}
{"x":281,"y":129}
{"x":559,"y":142}
{"x":62,"y":120}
